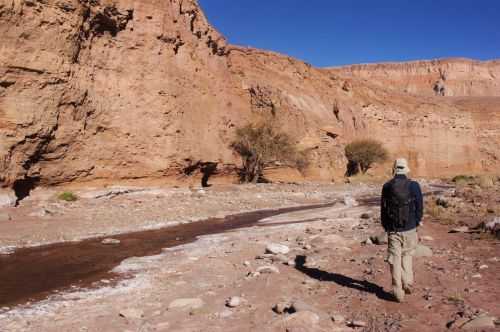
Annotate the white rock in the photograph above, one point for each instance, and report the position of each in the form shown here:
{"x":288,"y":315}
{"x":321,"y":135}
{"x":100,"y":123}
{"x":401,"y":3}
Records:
{"x":111,"y":241}
{"x":350,"y":201}
{"x":483,"y":267}
{"x":268,"y":269}
{"x":462,"y":229}
{"x":132,"y":313}
{"x":303,"y":318}
{"x":246,"y":263}
{"x":186,"y":304}
{"x":427,"y":238}
{"x":480,"y":323}
{"x":234,"y":301}
{"x":339,"y":319}
{"x":7,"y":198}
{"x":423,"y":251}
{"x":274,"y":248}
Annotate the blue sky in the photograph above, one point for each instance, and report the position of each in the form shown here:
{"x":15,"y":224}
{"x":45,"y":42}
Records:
{"x":332,"y":32}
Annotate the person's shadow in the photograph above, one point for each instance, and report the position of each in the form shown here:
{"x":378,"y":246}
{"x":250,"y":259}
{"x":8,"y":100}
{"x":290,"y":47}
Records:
{"x":344,"y":281}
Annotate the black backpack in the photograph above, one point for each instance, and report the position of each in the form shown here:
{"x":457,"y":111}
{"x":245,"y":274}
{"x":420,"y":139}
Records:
{"x":399,"y":203}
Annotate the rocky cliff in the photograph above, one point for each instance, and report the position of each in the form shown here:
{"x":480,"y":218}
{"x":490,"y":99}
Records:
{"x":445,"y":77}
{"x":110,"y":91}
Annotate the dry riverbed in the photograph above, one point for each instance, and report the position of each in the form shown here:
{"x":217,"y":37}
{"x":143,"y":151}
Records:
{"x":309,"y":270}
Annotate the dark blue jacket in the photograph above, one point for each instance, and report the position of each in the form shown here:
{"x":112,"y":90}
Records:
{"x":416,"y":210}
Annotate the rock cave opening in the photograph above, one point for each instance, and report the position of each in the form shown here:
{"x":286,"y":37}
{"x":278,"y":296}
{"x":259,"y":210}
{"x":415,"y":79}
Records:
{"x":23,"y":187}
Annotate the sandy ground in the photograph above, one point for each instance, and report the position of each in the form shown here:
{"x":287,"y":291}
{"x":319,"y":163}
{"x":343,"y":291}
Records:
{"x":342,"y":280}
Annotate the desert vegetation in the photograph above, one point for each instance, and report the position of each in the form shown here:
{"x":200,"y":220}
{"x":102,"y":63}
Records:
{"x":263,"y":144}
{"x":67,"y":196}
{"x":362,"y":154}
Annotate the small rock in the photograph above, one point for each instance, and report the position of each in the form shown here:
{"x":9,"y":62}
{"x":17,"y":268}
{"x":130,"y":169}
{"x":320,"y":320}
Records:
{"x":132,"y":313}
{"x":291,"y":263}
{"x":441,"y":201}
{"x":339,"y":319}
{"x":246,"y":263}
{"x":4,"y":217}
{"x":477,"y":276}
{"x":427,"y":238}
{"x":463,"y":229}
{"x":482,"y":322}
{"x":483,"y":267}
{"x":234,"y":301}
{"x":111,"y":241}
{"x":380,"y":239}
{"x":365,"y":216}
{"x":357,"y":323}
{"x":186,"y":304}
{"x":275,"y":249}
{"x":350,"y":201}
{"x":282,"y":307}
{"x":423,"y":251}
{"x":367,"y":242}
{"x":268,"y":269}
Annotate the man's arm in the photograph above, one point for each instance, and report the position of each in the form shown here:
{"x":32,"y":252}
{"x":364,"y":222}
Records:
{"x":419,"y":202}
{"x":383,"y":208}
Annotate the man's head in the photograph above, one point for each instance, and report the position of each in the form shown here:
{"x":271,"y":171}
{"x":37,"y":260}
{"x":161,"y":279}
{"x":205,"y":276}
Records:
{"x":401,"y":167}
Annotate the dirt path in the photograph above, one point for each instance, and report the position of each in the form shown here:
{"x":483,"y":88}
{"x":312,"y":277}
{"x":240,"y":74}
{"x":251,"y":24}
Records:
{"x":327,"y":273}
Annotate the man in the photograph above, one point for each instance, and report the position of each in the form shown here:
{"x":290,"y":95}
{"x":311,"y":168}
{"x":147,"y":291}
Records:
{"x":401,"y":214}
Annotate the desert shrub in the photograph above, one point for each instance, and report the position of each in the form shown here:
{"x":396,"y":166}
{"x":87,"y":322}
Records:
{"x":261,"y":145}
{"x":67,"y":196}
{"x":362,"y":154}
{"x":485,"y":181}
{"x":463,"y":178}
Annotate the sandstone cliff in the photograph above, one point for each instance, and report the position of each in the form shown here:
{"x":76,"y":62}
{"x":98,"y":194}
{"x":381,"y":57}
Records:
{"x":445,"y":77}
{"x":127,"y":89}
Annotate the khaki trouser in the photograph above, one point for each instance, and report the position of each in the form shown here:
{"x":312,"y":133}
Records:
{"x":401,"y":249}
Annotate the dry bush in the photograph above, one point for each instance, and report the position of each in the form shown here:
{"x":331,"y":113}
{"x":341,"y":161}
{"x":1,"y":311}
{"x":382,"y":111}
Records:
{"x":362,"y":154}
{"x":261,"y":145}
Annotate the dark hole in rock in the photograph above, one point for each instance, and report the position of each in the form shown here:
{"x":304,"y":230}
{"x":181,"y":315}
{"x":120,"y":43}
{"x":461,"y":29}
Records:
{"x":23,"y":187}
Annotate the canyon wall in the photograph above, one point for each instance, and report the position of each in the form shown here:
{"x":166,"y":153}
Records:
{"x":445,"y":77}
{"x":143,"y":90}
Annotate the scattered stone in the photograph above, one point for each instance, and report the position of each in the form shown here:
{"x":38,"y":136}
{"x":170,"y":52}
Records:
{"x":111,"y":241}
{"x":477,"y":276}
{"x":282,"y":307}
{"x":132,"y":313}
{"x":367,"y":242}
{"x":4,"y":217}
{"x":365,"y":216}
{"x":234,"y":301}
{"x":186,"y":304}
{"x":441,"y":201}
{"x":427,"y":238}
{"x":380,"y":239}
{"x":357,"y":323}
{"x":423,"y":251}
{"x":291,"y":263}
{"x":269,"y":269}
{"x":275,"y":249}
{"x":280,"y":258}
{"x":246,"y":263}
{"x":462,"y":229}
{"x":339,"y":319}
{"x":350,"y":201}
{"x":483,"y":267}
{"x":482,"y":322}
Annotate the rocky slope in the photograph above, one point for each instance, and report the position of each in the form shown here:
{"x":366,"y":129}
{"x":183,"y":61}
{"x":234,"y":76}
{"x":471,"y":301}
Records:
{"x":142,"y":90}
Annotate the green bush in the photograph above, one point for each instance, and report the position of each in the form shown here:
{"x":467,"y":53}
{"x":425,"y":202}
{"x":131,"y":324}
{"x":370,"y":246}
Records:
{"x":67,"y":196}
{"x":262,"y":144}
{"x":362,"y":154}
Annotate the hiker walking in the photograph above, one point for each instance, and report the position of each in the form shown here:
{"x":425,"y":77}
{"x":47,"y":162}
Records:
{"x":401,"y":213}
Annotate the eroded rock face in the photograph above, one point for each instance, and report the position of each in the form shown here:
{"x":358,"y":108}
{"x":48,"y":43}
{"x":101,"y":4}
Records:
{"x":129,"y":89}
